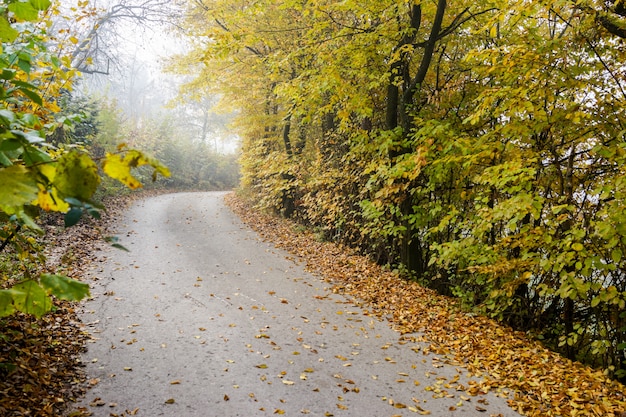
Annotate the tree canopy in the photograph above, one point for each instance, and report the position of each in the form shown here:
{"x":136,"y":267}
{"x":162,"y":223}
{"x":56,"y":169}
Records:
{"x":476,"y":146}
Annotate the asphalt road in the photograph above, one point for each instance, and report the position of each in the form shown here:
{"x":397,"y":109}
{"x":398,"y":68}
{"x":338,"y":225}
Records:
{"x":202,"y":318}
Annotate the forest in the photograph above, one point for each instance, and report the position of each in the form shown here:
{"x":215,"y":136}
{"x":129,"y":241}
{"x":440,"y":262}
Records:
{"x":474,"y":146}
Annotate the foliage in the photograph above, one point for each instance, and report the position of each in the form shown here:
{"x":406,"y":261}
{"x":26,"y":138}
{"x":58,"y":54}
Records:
{"x":34,"y":174}
{"x":477,"y":145}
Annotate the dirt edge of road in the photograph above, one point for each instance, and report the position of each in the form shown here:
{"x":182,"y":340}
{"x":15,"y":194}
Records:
{"x":41,"y":373}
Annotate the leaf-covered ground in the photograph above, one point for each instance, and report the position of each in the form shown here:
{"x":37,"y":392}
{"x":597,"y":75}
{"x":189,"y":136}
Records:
{"x":42,"y":372}
{"x":545,"y":383}
{"x":48,"y":374}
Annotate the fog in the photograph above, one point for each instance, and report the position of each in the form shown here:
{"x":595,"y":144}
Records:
{"x":127,"y":44}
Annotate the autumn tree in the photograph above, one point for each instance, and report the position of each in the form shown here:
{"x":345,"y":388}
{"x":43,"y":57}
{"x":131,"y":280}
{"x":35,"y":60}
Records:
{"x":475,"y":146}
{"x":91,"y":35}
{"x":34,"y":174}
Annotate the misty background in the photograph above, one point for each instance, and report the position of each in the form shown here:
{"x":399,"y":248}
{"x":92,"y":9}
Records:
{"x":126,"y":94}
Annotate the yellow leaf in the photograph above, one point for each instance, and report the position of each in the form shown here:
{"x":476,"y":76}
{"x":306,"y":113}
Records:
{"x":49,"y":200}
{"x":118,"y":167}
{"x":423,"y":412}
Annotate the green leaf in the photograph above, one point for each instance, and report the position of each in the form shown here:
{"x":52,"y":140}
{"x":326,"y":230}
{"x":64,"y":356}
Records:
{"x":34,"y":155}
{"x":31,"y":137}
{"x":113,"y":241}
{"x":32,"y":95}
{"x":24,"y":65}
{"x":94,"y":212}
{"x":30,"y":298}
{"x":577,"y":246}
{"x":4,"y":160}
{"x":64,"y":288}
{"x":17,"y":189}
{"x":77,"y":176}
{"x":42,"y":5}
{"x":616,"y":255}
{"x":72,"y":216}
{"x":10,"y":145}
{"x":7,"y":74}
{"x":7,"y":117}
{"x":24,"y":11}
{"x":7,"y":33}
{"x":120,"y":247}
{"x":30,"y":120}
{"x":6,"y":303}
{"x":595,"y":301}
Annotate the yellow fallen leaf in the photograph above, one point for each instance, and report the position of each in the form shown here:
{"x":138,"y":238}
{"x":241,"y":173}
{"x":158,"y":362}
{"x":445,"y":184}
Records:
{"x":422,"y":412}
{"x":170,"y":401}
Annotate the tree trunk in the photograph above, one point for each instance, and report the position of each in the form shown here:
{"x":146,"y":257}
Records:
{"x":399,"y":108}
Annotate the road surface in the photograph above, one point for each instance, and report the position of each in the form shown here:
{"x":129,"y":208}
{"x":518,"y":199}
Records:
{"x":202,"y":318}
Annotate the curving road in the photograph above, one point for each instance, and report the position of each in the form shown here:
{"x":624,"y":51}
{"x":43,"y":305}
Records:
{"x":202,"y":318}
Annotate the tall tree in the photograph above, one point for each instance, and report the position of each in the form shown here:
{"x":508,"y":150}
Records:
{"x":478,"y":145}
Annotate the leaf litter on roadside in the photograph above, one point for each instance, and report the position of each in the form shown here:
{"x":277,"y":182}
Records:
{"x":541,"y":382}
{"x":40,"y":369}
